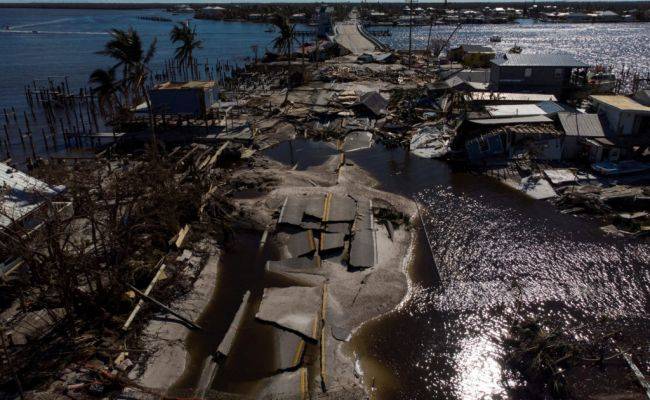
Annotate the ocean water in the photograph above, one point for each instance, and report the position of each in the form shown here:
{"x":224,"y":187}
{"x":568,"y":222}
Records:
{"x":67,"y":42}
{"x":615,"y":44}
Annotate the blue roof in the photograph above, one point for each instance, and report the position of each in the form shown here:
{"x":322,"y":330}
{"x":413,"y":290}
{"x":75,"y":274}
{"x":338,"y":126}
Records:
{"x":538,"y":60}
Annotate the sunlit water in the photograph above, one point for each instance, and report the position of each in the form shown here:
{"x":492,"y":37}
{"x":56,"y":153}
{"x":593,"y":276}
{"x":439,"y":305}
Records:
{"x":610,"y":44}
{"x":498,"y":254}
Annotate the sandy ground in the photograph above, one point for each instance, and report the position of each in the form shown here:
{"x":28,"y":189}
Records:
{"x":165,"y":338}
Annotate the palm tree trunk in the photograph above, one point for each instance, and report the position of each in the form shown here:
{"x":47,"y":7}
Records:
{"x":152,"y":123}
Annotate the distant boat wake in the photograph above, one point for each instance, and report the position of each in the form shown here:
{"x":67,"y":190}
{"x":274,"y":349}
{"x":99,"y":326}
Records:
{"x":56,"y":21}
{"x":51,"y":32}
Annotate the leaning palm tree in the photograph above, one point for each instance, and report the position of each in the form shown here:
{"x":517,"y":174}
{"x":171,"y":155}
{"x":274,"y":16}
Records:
{"x":287,"y":35}
{"x":187,"y":37}
{"x":126,"y":48}
{"x":107,"y":89}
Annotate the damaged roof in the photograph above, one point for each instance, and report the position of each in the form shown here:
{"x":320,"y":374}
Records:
{"x":374,"y":102}
{"x":539,"y":60}
{"x":20,"y":194}
{"x":582,"y":125}
{"x":528,"y":129}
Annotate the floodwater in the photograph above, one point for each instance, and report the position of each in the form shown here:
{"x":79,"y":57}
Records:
{"x":485,"y":253}
{"x":609,"y":44}
{"x":498,"y":254}
{"x":302,"y":153}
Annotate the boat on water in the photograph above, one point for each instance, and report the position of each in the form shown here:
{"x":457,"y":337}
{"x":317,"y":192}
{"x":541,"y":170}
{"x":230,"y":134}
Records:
{"x":270,"y":30}
{"x":620,"y":168}
{"x":495,"y":38}
{"x":601,"y":81}
{"x":515,"y":50}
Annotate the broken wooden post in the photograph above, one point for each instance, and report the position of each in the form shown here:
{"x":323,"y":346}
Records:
{"x":164,"y":307}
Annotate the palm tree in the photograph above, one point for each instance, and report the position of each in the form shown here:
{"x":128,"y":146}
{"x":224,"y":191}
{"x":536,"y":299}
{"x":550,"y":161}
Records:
{"x":107,"y":89}
{"x":187,"y":37}
{"x":284,"y":44}
{"x":126,"y":48}
{"x":287,"y":35}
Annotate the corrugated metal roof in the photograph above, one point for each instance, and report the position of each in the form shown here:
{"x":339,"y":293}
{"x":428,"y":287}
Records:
{"x":515,"y":120}
{"x":502,"y":96}
{"x":20,"y":194}
{"x":582,"y":125}
{"x":514,"y":110}
{"x":620,"y":102}
{"x":538,"y":60}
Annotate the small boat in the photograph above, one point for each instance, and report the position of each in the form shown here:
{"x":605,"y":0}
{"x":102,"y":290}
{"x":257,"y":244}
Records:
{"x":34,"y":31}
{"x":515,"y":50}
{"x":495,"y":38}
{"x":620,"y":168}
{"x":270,"y":30}
{"x":601,"y":81}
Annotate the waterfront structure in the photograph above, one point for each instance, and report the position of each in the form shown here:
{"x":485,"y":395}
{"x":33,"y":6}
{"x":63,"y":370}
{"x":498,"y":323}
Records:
{"x":624,"y":115}
{"x":184,"y":98}
{"x":213,"y":12}
{"x":472,"y":55}
{"x":545,"y":73}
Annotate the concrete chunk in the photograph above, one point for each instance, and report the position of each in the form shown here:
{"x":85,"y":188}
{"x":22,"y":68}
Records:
{"x":292,"y":211}
{"x":231,"y":334}
{"x":302,"y":264}
{"x":301,"y":243}
{"x":288,"y":349}
{"x":314,"y":206}
{"x":338,"y":227}
{"x":289,"y":385}
{"x":294,"y":308}
{"x":339,"y":208}
{"x":362,"y":249}
{"x":331,"y":241}
{"x":363,"y":246}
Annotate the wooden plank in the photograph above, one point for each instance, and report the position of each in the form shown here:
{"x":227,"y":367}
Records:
{"x":147,"y":291}
{"x":164,"y":307}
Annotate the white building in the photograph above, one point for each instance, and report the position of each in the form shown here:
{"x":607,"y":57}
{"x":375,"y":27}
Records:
{"x":624,"y":116}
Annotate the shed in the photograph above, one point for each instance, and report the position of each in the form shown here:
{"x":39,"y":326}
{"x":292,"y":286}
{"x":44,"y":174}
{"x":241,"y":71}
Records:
{"x":183,"y":98}
{"x":472,"y":55}
{"x":578,"y":127}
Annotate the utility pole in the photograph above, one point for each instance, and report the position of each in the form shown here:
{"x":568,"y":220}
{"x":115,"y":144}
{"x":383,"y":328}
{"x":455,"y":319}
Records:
{"x":410,"y":2}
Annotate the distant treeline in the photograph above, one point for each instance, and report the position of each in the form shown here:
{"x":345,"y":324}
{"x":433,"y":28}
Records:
{"x":90,"y":6}
{"x":238,"y":8}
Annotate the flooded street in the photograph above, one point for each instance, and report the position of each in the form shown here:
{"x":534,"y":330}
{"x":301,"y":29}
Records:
{"x":498,"y":253}
{"x":487,"y":254}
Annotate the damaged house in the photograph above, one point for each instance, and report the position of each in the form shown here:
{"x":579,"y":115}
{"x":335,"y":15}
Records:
{"x":541,"y":73}
{"x":584,"y":137}
{"x":541,"y":141}
{"x":24,"y":203}
{"x":472,"y":55}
